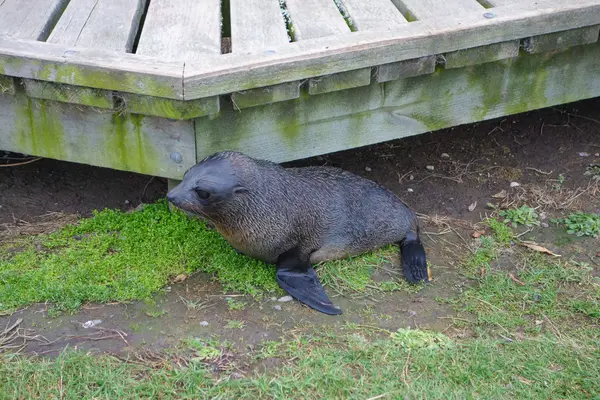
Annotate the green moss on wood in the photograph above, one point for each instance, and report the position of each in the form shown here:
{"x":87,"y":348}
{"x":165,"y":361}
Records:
{"x":266,"y":95}
{"x":341,"y":81}
{"x":481,"y":54}
{"x":168,"y":108}
{"x":69,"y":94}
{"x":7,"y":85}
{"x":562,"y":40}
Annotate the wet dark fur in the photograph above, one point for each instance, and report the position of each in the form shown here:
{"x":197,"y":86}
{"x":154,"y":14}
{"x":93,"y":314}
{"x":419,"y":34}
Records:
{"x":264,"y":210}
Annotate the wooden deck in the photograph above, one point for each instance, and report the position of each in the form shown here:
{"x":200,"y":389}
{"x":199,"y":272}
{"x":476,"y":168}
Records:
{"x":151,"y":86}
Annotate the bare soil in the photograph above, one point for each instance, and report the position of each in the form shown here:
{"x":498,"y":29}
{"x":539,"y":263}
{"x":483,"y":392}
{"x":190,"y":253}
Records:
{"x":470,"y":163}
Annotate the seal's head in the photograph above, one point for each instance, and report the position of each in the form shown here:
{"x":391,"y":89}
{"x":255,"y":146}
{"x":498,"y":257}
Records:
{"x":207,"y":187}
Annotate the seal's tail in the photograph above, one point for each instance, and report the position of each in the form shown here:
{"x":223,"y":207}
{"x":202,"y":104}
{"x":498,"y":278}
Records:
{"x":414,"y":261}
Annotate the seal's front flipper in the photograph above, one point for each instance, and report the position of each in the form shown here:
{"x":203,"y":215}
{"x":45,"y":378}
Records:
{"x":414,"y":261}
{"x":299,"y":279}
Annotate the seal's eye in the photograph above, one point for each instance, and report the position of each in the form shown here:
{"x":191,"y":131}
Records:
{"x":203,"y":194}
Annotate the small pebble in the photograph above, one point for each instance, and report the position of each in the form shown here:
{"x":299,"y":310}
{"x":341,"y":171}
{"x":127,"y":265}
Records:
{"x":126,"y":201}
{"x":515,"y":184}
{"x":412,"y":177}
{"x":204,"y":323}
{"x":445,"y":155}
{"x":597,"y":155}
{"x":584,"y":154}
{"x":285,"y":299}
{"x":368,"y":169}
{"x":410,"y":190}
{"x":92,"y":323}
{"x":273,"y":298}
{"x":277,"y":307}
{"x":544,"y":225}
{"x":430,"y":167}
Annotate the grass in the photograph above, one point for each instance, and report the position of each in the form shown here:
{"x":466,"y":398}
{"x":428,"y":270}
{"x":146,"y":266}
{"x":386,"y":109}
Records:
{"x":581,"y":224}
{"x":116,"y":256}
{"x":520,"y":216}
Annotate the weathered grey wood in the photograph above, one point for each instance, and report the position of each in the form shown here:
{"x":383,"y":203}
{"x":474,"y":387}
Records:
{"x":167,"y":108}
{"x":406,"y":69}
{"x":179,"y":29}
{"x":305,"y":59}
{"x":372,"y":14}
{"x":426,"y":9}
{"x":147,"y":145}
{"x":500,"y":3}
{"x":94,"y":68}
{"x":69,"y":94}
{"x":482,"y":54}
{"x":256,"y":26}
{"x":321,"y":124}
{"x":104,"y":24}
{"x":561,"y":40}
{"x":29,"y":19}
{"x":328,"y":21}
{"x":7,"y":85}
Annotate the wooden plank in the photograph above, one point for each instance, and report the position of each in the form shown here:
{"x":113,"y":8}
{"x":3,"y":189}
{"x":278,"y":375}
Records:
{"x":69,"y":94}
{"x":372,"y":14}
{"x":322,"y":124}
{"x":406,"y":69}
{"x":93,"y":68}
{"x":7,"y":85}
{"x":167,"y":108}
{"x":328,"y":21}
{"x":426,"y":9}
{"x":107,"y":24}
{"x":561,"y":40}
{"x":147,"y":145}
{"x":179,"y":30}
{"x":482,"y":54}
{"x":29,"y":19}
{"x":499,"y":3}
{"x":305,"y":59}
{"x":258,"y":25}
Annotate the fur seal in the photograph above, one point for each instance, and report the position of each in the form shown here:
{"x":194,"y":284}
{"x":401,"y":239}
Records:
{"x":298,"y":217}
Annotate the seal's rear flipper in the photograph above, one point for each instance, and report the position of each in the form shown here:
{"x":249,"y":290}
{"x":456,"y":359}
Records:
{"x":300,"y":280}
{"x":414,"y":261}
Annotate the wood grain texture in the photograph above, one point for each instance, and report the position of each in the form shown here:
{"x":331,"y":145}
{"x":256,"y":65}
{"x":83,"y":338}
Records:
{"x":322,"y":124}
{"x":480,"y":55}
{"x":105,"y":24}
{"x":80,"y":134}
{"x":406,"y":69}
{"x":91,"y":68}
{"x":168,"y":108}
{"x":257,"y":26}
{"x":29,"y":19}
{"x":7,"y":85}
{"x":372,"y":14}
{"x":501,"y":3}
{"x":306,"y":59}
{"x":426,"y":9}
{"x":562,"y":40}
{"x":181,"y":29}
{"x":69,"y":94}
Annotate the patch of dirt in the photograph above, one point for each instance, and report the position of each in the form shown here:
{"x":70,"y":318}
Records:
{"x":538,"y":150}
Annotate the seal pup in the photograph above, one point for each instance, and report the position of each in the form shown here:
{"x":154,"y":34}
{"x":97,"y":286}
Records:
{"x":299,"y":217}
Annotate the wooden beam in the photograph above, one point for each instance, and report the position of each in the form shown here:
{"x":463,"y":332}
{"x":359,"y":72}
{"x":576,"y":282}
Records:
{"x":257,"y":26}
{"x":372,"y":15}
{"x":562,"y":40}
{"x":7,"y":85}
{"x":69,"y":94}
{"x":482,"y":54}
{"x":305,"y":59}
{"x":321,"y":124}
{"x":328,"y":21}
{"x":147,"y":145}
{"x":29,"y":19}
{"x":406,"y":69}
{"x":427,"y":9}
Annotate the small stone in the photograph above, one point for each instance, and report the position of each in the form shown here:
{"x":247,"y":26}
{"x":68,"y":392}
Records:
{"x":544,"y":224}
{"x":92,"y":323}
{"x":126,"y":201}
{"x":368,"y":169}
{"x":597,"y":155}
{"x":411,"y":178}
{"x":584,"y":154}
{"x":273,"y":298}
{"x":277,"y":307}
{"x":204,"y":323}
{"x":285,"y":299}
{"x":445,"y":155}
{"x":598,"y":254}
{"x":410,"y":190}
{"x":514,"y":184}
{"x":430,"y":167}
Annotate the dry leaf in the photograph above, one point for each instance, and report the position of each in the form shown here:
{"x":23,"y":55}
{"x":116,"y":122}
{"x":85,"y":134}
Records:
{"x":539,"y":321}
{"x":179,"y":278}
{"x":514,"y":279}
{"x":537,"y":247}
{"x":499,"y":195}
{"x":429,"y":273}
{"x":472,"y":207}
{"x":482,"y":272}
{"x":477,"y":234}
{"x":524,"y":380}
